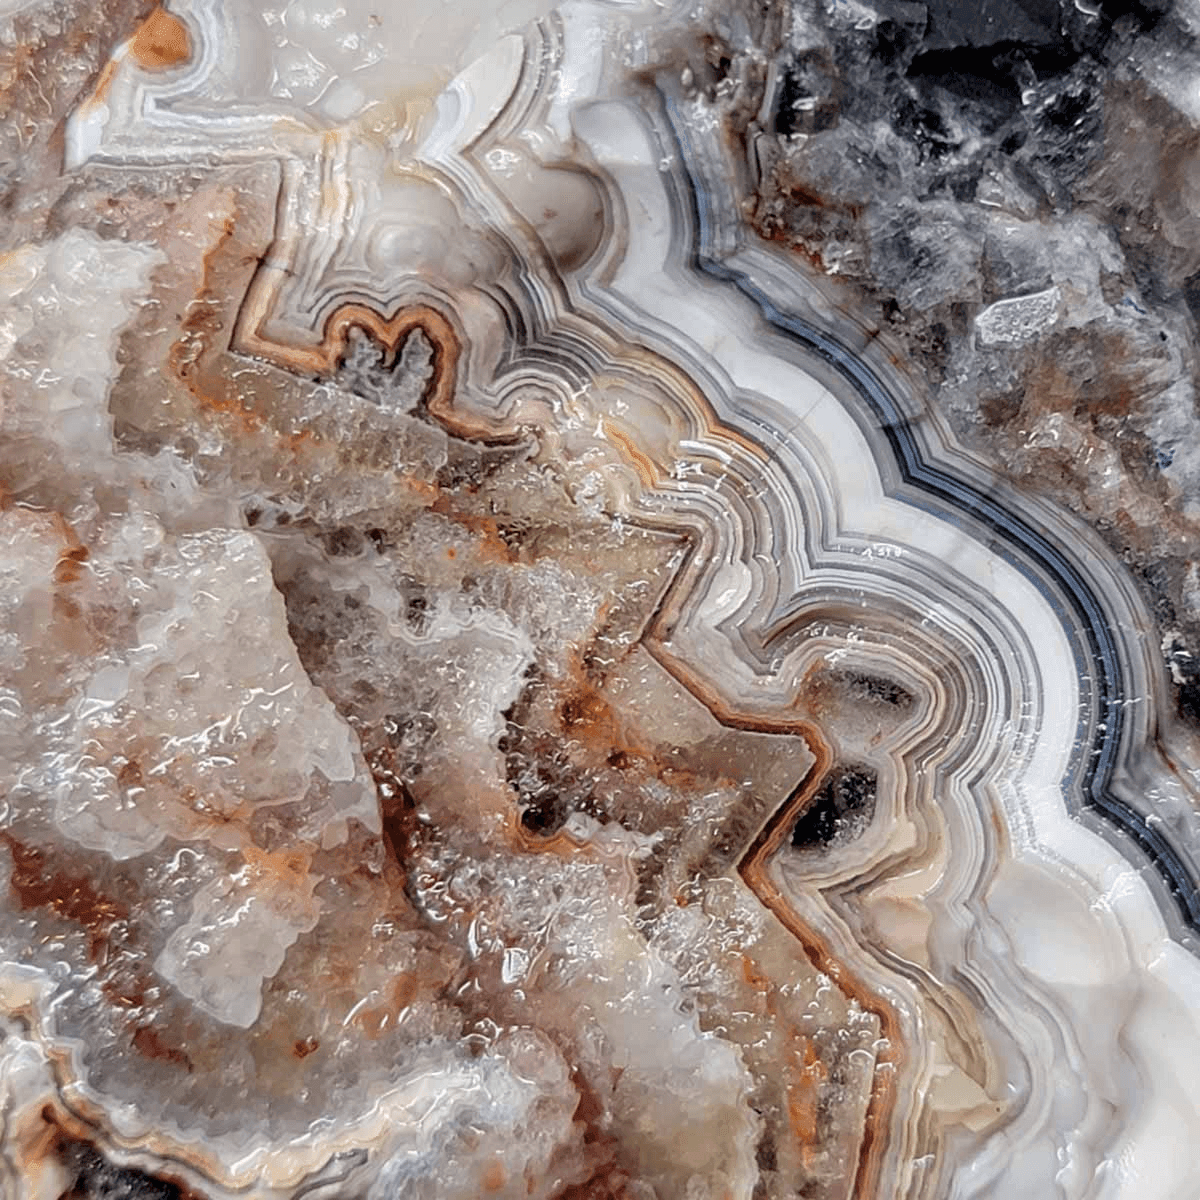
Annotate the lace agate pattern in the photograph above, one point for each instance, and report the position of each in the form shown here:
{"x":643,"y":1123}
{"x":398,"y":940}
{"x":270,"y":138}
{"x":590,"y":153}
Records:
{"x":511,"y":687}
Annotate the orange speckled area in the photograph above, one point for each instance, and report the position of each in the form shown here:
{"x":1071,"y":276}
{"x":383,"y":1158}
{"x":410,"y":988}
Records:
{"x":161,"y":42}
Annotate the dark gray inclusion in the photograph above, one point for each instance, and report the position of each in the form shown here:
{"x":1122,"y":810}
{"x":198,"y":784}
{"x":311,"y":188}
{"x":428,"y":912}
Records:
{"x":95,"y":1178}
{"x":840,"y":810}
{"x":362,"y":370}
{"x":876,"y":689}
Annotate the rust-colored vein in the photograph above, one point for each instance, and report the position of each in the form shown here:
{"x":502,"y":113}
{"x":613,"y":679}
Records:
{"x":755,"y":870}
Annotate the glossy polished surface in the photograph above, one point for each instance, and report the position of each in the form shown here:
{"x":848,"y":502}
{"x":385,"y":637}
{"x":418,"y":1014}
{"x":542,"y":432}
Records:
{"x":530,"y":665}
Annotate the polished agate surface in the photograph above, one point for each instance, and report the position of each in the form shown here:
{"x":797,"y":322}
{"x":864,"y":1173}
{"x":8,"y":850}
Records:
{"x":599,"y":600}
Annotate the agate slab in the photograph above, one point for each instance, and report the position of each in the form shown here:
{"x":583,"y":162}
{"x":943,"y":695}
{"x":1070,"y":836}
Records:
{"x":597,"y":601}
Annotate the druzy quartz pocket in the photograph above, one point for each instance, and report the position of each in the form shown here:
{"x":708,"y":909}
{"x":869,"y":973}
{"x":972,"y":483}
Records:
{"x":510,"y":684}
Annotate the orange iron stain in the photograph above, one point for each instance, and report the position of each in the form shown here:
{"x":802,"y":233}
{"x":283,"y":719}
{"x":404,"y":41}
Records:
{"x":161,"y":41}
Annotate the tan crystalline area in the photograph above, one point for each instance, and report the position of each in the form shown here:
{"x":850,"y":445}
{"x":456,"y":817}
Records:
{"x":348,"y":809}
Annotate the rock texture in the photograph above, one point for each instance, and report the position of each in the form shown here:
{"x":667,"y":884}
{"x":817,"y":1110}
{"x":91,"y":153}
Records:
{"x":597,"y":601}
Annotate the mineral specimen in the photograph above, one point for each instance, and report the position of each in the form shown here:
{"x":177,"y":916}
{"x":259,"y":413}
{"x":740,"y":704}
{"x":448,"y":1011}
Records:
{"x":545,"y":650}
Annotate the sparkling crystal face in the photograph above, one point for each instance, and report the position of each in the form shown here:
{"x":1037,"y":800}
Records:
{"x":530,"y":666}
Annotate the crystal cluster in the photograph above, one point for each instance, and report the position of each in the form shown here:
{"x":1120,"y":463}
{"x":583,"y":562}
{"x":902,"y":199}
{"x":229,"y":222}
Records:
{"x":520,"y":678}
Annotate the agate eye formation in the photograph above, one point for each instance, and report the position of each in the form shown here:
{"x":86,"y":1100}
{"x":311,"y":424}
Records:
{"x":599,"y":601}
